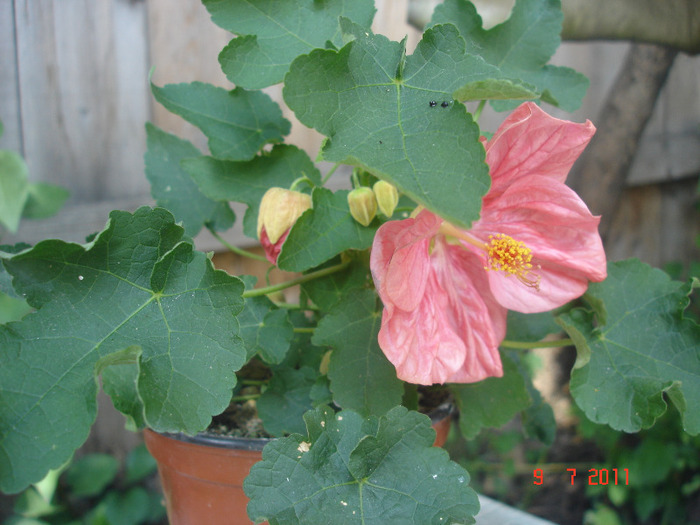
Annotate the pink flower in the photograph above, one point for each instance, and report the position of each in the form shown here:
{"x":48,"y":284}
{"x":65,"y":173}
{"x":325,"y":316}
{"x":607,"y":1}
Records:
{"x":535,"y":247}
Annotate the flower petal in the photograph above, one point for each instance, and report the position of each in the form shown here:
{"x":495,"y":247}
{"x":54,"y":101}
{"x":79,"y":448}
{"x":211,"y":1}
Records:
{"x":452,"y":334}
{"x":399,"y":259}
{"x":531,"y":142}
{"x":555,"y":224}
{"x":272,"y":250}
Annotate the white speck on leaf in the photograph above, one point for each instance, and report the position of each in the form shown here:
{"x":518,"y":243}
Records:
{"x":434,"y":476}
{"x":460,"y":479}
{"x":304,"y":447}
{"x":344,"y":503}
{"x":80,"y":277}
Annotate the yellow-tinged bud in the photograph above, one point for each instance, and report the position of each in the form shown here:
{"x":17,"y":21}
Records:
{"x":387,"y":197}
{"x":363,"y":205}
{"x":325,"y":362}
{"x":279,"y":210}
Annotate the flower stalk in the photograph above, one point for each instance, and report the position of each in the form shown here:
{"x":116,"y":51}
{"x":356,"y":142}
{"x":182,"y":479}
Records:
{"x":257,"y":292}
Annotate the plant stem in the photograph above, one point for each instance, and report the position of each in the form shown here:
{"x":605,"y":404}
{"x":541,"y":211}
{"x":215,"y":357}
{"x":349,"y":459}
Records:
{"x":254,"y":382}
{"x":330,"y":172}
{"x":292,"y":306}
{"x":304,"y":329}
{"x":237,"y":399}
{"x":301,"y":179}
{"x":478,"y":111}
{"x":525,"y":345}
{"x":236,"y":249}
{"x":256,"y":292}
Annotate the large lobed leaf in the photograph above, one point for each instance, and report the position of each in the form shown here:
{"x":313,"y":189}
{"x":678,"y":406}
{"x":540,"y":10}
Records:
{"x":174,"y":189}
{"x":247,"y":182}
{"x":349,"y":470}
{"x":138,"y":291}
{"x":520,"y":47}
{"x":361,"y":377}
{"x":634,"y":344}
{"x":237,"y":123}
{"x":265,"y":329}
{"x":272,"y":33}
{"x":384,"y":111}
{"x":323,"y":232}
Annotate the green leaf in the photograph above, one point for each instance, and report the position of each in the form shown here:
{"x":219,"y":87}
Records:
{"x":520,"y":47}
{"x":288,"y":396}
{"x":7,"y":250}
{"x":327,"y":291}
{"x":91,"y":474}
{"x":12,"y":308}
{"x":323,"y":232}
{"x":44,"y":200}
{"x":138,"y":283}
{"x":14,"y":189}
{"x":237,"y":123}
{"x":349,"y":470}
{"x":120,"y":383}
{"x":538,"y":418}
{"x":362,"y":379}
{"x":395,"y":126}
{"x":530,"y":327}
{"x":131,"y":507}
{"x":634,"y":344}
{"x":247,"y":182}
{"x":491,"y":402}
{"x":272,"y":33}
{"x":139,"y":464}
{"x":265,"y":329}
{"x":174,"y":189}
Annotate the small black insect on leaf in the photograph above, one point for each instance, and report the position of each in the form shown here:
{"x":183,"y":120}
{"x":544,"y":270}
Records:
{"x":445,"y":104}
{"x":432,"y":103}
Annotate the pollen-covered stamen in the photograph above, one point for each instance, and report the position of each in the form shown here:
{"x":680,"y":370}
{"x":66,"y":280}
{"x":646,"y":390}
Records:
{"x":512,"y":257}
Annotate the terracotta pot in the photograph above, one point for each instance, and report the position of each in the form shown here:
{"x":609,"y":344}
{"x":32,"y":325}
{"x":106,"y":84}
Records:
{"x":202,"y":476}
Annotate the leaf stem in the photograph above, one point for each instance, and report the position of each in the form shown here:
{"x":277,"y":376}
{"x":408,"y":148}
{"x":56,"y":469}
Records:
{"x":330,"y":172}
{"x":236,"y":249}
{"x":526,"y":345}
{"x":304,"y":329}
{"x":256,"y":292}
{"x":478,"y":111}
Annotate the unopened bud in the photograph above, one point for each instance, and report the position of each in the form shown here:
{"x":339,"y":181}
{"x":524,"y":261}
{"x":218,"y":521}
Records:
{"x":279,"y":210}
{"x":387,"y":197}
{"x":363,"y":205}
{"x":325,"y":362}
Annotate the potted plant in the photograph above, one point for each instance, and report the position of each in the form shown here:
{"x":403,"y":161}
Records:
{"x":451,"y":255}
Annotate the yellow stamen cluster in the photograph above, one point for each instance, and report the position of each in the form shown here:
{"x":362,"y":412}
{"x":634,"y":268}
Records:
{"x":512,"y":257}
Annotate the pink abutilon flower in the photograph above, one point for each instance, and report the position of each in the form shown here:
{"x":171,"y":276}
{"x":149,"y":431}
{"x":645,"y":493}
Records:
{"x":446,"y":290}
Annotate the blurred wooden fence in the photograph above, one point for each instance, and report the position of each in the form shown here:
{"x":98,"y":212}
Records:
{"x":74,"y":97}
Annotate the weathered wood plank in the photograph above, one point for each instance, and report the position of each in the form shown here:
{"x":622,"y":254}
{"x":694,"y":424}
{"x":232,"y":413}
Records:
{"x":184,"y":47}
{"x":657,"y":223}
{"x":82,"y":71}
{"x":9,"y":83}
{"x":670,"y":145}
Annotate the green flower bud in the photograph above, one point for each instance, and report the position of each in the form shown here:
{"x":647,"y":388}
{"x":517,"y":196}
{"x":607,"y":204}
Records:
{"x":387,"y":197}
{"x":279,"y":210}
{"x":363,"y":205}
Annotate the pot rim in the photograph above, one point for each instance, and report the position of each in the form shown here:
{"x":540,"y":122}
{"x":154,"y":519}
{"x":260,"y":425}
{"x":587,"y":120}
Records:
{"x":442,"y":411}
